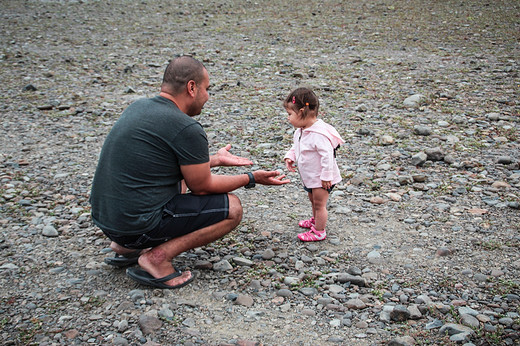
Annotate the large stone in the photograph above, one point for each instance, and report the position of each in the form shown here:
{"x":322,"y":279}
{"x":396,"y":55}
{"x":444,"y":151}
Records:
{"x":244,"y":300}
{"x":452,"y":329}
{"x":50,"y":231}
{"x":149,"y":324}
{"x":419,"y":159}
{"x":414,"y":101}
{"x":268,"y":254}
{"x":242,"y":261}
{"x":469,"y":321}
{"x":402,"y":341}
{"x":415,"y":313}
{"x":355,"y":304}
{"x":399,"y":313}
{"x":222,"y":266}
{"x":422,"y":130}
{"x":434,"y":154}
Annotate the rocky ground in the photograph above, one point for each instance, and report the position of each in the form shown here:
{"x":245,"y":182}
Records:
{"x":423,"y":244}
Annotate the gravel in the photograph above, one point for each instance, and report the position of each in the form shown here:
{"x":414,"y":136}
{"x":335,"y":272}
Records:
{"x":423,"y":233}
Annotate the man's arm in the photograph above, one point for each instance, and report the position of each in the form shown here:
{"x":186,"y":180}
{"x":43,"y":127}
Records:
{"x":201,"y":181}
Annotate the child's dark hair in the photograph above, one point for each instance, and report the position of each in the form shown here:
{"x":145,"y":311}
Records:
{"x":303,"y":98}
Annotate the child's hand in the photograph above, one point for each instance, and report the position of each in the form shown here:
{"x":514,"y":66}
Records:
{"x":289,"y":164}
{"x":326,"y":184}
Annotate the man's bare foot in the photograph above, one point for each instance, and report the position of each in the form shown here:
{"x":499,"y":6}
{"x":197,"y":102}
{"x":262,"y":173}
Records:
{"x":156,"y":263}
{"x":123,"y":250}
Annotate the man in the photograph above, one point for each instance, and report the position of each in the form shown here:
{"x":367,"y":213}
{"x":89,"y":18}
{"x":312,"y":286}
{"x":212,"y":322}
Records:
{"x":137,"y":194}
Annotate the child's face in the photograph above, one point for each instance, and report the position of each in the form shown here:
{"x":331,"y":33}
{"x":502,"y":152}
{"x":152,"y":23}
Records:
{"x":293,"y":118}
{"x":296,"y":120}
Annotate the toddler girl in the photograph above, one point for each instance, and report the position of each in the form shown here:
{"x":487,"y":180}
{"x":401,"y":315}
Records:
{"x":313,"y":150}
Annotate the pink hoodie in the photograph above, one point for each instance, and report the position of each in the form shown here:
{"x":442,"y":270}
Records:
{"x":313,"y":151}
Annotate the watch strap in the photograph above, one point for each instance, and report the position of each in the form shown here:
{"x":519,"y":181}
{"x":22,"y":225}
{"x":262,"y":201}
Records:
{"x":251,"y":183}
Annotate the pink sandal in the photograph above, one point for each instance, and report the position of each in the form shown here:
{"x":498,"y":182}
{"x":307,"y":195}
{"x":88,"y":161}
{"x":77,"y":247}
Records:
{"x":307,"y":223}
{"x":313,"y":235}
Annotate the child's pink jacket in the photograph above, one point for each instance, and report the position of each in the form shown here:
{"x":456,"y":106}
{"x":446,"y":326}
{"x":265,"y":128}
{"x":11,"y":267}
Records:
{"x":313,"y":151}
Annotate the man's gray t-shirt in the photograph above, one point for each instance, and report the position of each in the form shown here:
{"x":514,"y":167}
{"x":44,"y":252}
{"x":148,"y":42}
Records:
{"x":139,"y":166}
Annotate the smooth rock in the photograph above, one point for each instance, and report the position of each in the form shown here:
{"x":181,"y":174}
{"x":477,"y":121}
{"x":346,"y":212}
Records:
{"x":222,"y":266}
{"x":149,"y":324}
{"x":414,"y":101}
{"x":49,"y":231}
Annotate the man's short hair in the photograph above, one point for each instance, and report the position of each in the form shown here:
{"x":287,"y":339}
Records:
{"x":180,"y":71}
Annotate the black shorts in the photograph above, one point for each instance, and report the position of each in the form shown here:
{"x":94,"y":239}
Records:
{"x":309,"y":190}
{"x":183,"y":214}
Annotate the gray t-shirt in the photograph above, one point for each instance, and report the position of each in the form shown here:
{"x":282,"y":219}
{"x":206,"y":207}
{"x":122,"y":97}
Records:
{"x":139,"y":167}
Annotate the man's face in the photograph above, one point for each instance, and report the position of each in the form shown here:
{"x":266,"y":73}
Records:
{"x":201,"y":95}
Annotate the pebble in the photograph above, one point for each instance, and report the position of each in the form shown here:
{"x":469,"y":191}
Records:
{"x":414,"y":100}
{"x":419,"y":159}
{"x":284,"y":293}
{"x":453,"y":329}
{"x":387,"y":140}
{"x":399,"y":313}
{"x":402,"y":341}
{"x":49,"y":231}
{"x":268,"y":254}
{"x":308,"y":291}
{"x":434,"y":154}
{"x":422,"y":130}
{"x":469,"y":320}
{"x":242,"y":261}
{"x":149,"y":324}
{"x":434,"y":324}
{"x":444,"y":251}
{"x":357,"y":280}
{"x":355,"y":304}
{"x":222,"y":266}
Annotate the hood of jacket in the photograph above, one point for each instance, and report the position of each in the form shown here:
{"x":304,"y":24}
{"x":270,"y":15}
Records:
{"x":327,"y":130}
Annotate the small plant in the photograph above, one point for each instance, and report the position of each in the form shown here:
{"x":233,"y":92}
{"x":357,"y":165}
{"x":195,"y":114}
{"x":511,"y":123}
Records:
{"x":306,"y":282}
{"x":510,"y":133}
{"x":492,"y":338}
{"x":26,"y":335}
{"x":447,"y":282}
{"x":292,"y":216}
{"x":375,"y":185}
{"x":491,"y":245}
{"x":258,"y":64}
{"x":454,"y":314}
{"x":175,"y":321}
{"x":378,"y":294}
{"x":343,"y":258}
{"x":504,"y":287}
{"x":3,"y":322}
{"x":93,"y":302}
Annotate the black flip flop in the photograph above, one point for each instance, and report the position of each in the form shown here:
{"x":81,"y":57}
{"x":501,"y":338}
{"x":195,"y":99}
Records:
{"x":143,"y":277}
{"x":123,"y":260}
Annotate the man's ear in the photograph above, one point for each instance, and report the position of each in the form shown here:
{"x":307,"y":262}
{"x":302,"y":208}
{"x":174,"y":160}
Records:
{"x":191,"y":87}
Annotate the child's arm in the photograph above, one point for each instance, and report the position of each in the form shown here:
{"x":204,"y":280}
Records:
{"x":326,"y":153}
{"x":290,"y":158}
{"x":290,"y":165}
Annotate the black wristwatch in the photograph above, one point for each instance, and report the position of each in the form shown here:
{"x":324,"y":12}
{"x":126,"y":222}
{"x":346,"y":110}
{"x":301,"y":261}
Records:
{"x":251,"y":181}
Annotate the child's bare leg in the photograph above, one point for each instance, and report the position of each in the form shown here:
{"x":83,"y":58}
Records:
{"x":312,"y":204}
{"x":319,"y":205}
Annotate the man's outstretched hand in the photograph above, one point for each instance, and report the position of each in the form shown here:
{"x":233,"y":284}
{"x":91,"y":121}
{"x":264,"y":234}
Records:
{"x":224,"y":158}
{"x":270,"y":178}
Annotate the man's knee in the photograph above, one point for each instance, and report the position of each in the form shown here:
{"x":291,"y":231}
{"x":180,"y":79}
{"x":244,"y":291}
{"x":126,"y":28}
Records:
{"x":235,"y":208}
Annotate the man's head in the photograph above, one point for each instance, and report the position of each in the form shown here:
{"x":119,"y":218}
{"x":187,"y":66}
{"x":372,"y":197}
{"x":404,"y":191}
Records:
{"x":186,"y":78}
